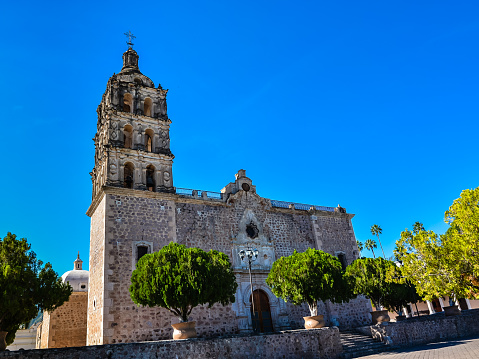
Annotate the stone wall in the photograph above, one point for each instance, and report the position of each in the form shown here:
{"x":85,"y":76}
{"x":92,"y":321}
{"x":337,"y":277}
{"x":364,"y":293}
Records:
{"x":427,"y":329}
{"x":96,"y":285}
{"x":321,"y":343}
{"x":66,"y":326}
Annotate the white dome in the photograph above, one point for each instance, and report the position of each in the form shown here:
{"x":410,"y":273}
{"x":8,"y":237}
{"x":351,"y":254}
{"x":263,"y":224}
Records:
{"x":78,"y":278}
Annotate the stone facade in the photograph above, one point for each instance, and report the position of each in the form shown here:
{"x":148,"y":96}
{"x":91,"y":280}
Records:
{"x":66,"y":325}
{"x":321,"y":343}
{"x":136,"y":210}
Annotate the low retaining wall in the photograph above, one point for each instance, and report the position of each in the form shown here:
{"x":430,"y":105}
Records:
{"x":323,"y":343}
{"x":427,"y":329}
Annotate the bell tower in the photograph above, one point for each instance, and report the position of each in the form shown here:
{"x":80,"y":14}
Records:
{"x":132,"y":143}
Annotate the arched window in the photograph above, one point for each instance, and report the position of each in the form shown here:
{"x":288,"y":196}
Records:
{"x":149,"y":140}
{"x":150,"y":178}
{"x":127,"y":102}
{"x":128,"y":175}
{"x":128,"y":136}
{"x":262,"y":321}
{"x":147,"y":107}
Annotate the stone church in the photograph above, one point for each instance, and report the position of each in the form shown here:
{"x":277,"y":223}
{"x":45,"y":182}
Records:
{"x":136,"y":210}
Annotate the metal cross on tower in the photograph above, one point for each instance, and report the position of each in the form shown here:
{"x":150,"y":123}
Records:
{"x":130,"y":37}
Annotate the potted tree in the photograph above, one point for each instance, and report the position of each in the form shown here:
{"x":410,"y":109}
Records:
{"x":179,"y":278}
{"x":306,"y":278}
{"x":371,"y":277}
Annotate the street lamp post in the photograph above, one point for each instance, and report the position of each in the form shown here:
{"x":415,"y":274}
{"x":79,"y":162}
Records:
{"x":251,"y":254}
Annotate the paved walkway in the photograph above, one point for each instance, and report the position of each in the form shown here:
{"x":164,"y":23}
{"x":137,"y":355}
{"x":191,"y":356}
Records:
{"x":465,"y":348}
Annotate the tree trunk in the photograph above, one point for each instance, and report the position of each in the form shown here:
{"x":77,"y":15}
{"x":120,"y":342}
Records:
{"x":381,"y":247}
{"x":313,"y":308}
{"x":3,"y":343}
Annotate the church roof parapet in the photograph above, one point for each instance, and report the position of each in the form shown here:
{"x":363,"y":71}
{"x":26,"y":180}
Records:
{"x":217,"y":196}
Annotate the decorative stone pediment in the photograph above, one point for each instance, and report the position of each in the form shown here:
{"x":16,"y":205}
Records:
{"x":251,"y":235}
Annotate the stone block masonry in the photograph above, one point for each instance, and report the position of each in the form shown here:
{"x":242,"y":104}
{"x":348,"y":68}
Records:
{"x":323,"y":343}
{"x":66,"y":326}
{"x":427,"y":329}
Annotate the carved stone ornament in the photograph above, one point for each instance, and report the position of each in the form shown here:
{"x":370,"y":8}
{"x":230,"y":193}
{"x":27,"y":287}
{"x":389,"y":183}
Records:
{"x":114,"y":135}
{"x":251,"y":235}
{"x":166,"y":176}
{"x":113,"y":169}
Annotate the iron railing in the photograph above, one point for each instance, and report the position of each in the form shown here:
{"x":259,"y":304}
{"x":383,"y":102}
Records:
{"x":197,"y":193}
{"x":300,"y":206}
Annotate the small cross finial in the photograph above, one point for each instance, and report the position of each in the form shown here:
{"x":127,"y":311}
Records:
{"x":78,"y":257}
{"x":130,"y":37}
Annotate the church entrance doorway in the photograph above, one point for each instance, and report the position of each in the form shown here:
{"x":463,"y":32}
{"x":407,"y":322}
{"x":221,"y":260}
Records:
{"x":262,"y":322}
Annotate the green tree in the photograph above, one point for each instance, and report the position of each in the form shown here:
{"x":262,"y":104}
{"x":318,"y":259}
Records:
{"x":26,"y":285}
{"x":402,"y":291}
{"x":417,"y":227}
{"x":376,"y":231}
{"x":462,"y":241}
{"x":179,"y":278}
{"x":370,"y":245}
{"x":372,"y":278}
{"x":307,"y":277}
{"x":433,"y":265}
{"x":447,"y":264}
{"x":360,"y":246}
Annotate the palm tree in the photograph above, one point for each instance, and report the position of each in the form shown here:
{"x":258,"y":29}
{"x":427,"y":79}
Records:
{"x":370,"y":245}
{"x":376,"y":231}
{"x":360,"y":247}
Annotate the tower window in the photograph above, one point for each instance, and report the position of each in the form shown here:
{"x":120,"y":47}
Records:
{"x":128,"y":175}
{"x":127,"y":102}
{"x":139,"y":249}
{"x":149,"y":140}
{"x":140,"y":252}
{"x":147,"y":107}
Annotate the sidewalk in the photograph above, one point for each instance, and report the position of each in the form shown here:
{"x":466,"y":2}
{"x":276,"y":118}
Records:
{"x":464,"y":348}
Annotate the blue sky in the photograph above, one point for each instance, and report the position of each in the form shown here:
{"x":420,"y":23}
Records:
{"x":372,"y":105}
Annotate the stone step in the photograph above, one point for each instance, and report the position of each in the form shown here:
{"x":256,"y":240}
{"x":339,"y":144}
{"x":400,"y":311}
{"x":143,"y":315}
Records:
{"x":356,"y":345}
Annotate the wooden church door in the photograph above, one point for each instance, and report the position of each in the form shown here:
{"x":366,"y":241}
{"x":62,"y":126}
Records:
{"x":262,"y":321}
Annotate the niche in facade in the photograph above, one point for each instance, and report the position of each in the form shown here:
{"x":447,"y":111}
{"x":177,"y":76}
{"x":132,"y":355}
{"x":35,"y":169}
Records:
{"x":147,"y":107}
{"x":127,"y":102}
{"x":128,"y":136}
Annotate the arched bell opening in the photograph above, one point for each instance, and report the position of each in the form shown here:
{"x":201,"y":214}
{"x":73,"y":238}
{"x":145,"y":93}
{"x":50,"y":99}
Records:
{"x":149,"y":140}
{"x":150,"y":178}
{"x":128,"y":175}
{"x":147,"y":107}
{"x":262,"y":321}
